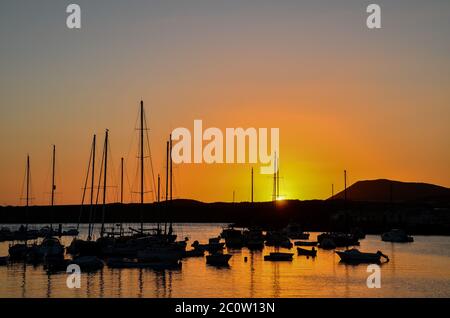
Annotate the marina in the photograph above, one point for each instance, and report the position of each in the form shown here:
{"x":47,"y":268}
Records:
{"x":418,"y":269}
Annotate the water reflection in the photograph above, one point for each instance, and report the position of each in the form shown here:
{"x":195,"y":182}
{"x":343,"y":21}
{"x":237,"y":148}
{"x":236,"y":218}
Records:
{"x":419,"y":269}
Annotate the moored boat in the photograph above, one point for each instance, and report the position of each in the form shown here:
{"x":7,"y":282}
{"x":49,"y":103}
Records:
{"x":396,"y":236}
{"x":88,"y":263}
{"x":218,"y":259}
{"x":355,"y":256}
{"x":277,"y":256}
{"x":295,"y":232}
{"x":4,"y":260}
{"x":339,"y":239}
{"x":303,"y":251}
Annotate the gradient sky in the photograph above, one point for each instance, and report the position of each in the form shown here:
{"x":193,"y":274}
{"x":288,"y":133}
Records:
{"x":374,"y":102}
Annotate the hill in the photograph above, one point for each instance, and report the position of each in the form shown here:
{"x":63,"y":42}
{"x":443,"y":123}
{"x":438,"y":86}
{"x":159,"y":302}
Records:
{"x":384,"y":190}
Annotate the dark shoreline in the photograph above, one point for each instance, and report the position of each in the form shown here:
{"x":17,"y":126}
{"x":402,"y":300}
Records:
{"x":428,"y":218}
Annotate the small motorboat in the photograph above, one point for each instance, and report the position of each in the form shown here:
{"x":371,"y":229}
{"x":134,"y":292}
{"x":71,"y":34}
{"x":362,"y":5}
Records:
{"x":254,"y":239}
{"x":19,"y":251}
{"x":170,"y":253}
{"x":396,"y":236}
{"x":295,"y":232}
{"x":218,"y":259}
{"x":55,"y":265}
{"x":355,"y":256}
{"x":339,"y":239}
{"x":233,"y":238}
{"x":277,"y":256}
{"x":50,"y":247}
{"x":88,"y":263}
{"x":84,"y":248}
{"x":278,"y":239}
{"x":196,"y":252}
{"x":305,"y":243}
{"x":303,"y":251}
{"x":327,"y":244}
{"x":212,"y":247}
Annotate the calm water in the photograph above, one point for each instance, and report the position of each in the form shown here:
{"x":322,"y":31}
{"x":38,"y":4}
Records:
{"x":419,"y":269}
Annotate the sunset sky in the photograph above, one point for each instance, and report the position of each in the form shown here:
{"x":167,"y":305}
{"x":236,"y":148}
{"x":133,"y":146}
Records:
{"x":374,"y":102}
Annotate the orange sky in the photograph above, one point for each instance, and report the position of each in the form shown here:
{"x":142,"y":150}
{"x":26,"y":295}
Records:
{"x":344,"y":97}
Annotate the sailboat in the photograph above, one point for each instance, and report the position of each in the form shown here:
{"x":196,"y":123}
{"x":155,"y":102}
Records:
{"x":154,"y":245}
{"x":20,"y":250}
{"x":50,"y":248}
{"x":79,"y":246}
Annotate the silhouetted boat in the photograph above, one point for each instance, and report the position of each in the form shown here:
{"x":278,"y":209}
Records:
{"x":6,"y":234}
{"x":295,"y":232}
{"x":278,"y":239}
{"x":327,"y":244}
{"x":194,"y":253}
{"x":396,"y":236}
{"x":19,"y":251}
{"x":233,"y":238}
{"x":305,"y":243}
{"x":355,"y":256}
{"x":339,"y":239}
{"x":254,"y":238}
{"x":88,"y":263}
{"x":276,"y":256}
{"x":55,"y":265}
{"x":167,"y":253}
{"x":50,"y":247}
{"x":212,"y":247}
{"x":218,"y":259}
{"x":303,"y":251}
{"x":4,"y":260}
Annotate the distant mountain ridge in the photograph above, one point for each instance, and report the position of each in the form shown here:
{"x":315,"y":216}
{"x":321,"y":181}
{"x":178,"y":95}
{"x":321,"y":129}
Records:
{"x":387,"y":190}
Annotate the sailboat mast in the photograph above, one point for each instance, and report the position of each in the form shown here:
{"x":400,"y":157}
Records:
{"x":142,"y":161}
{"x":170,"y":161}
{"x":121,"y":180}
{"x":274,"y":192}
{"x":159,"y":188}
{"x":252,"y":184}
{"x":52,"y":200}
{"x":53,"y":176}
{"x":92,"y":188}
{"x":345,"y":185}
{"x":28,"y":181}
{"x":167,"y":182}
{"x":167,"y":171}
{"x":105,"y":154}
{"x":278,"y":178}
{"x":28,"y":191}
